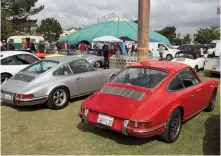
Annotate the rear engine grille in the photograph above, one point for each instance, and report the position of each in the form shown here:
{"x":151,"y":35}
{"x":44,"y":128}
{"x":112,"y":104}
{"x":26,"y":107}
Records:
{"x":128,"y":93}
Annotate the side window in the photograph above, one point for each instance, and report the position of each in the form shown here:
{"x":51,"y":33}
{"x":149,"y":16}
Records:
{"x":89,"y":66}
{"x":26,"y":59}
{"x":187,"y":78}
{"x":195,"y":78}
{"x":175,"y":84}
{"x":64,"y":70}
{"x":9,"y":61}
{"x":78,"y":67}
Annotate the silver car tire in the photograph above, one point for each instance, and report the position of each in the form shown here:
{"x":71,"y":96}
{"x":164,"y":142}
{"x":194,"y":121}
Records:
{"x":97,"y":64}
{"x":5,"y":77}
{"x":58,"y":98}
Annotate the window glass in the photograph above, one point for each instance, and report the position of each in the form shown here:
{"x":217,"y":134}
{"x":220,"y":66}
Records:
{"x":41,"y":66}
{"x":187,"y":78}
{"x":64,"y":70}
{"x":143,"y":77}
{"x":9,"y":61}
{"x":78,"y":67}
{"x":89,"y":66}
{"x":26,"y":59}
{"x":184,"y":55}
{"x":175,"y":84}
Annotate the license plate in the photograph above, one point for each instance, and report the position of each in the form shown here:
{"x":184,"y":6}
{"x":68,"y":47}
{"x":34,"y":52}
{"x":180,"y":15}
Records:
{"x":6,"y":96}
{"x":105,"y":120}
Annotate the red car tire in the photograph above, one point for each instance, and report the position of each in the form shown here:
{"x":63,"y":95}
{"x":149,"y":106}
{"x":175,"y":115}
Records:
{"x":174,"y":124}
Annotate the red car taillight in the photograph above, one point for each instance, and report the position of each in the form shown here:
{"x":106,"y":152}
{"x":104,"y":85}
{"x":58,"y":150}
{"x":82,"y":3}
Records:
{"x":141,"y":124}
{"x":25,"y":96}
{"x":82,"y":109}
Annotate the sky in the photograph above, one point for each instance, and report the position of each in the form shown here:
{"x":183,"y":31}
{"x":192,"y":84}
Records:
{"x":186,"y":15}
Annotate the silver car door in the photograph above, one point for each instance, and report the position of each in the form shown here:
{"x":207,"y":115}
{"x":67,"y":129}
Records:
{"x":65,"y":74}
{"x":86,"y":80}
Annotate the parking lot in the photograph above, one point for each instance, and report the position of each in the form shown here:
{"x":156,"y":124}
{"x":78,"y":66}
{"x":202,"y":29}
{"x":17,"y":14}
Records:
{"x":39,"y":130}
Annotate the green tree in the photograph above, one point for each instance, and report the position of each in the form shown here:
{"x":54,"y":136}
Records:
{"x":187,"y":39}
{"x":6,"y":26}
{"x":207,"y":35}
{"x":169,"y":32}
{"x":50,"y":29}
{"x":19,"y":13}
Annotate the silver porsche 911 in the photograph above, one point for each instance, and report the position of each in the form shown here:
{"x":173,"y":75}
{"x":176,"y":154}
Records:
{"x":54,"y":81}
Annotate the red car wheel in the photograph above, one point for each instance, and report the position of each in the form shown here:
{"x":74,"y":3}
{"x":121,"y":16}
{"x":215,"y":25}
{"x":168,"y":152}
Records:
{"x":173,"y":127}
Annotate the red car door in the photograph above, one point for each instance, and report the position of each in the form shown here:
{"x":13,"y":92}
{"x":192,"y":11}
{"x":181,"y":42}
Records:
{"x":193,"y":98}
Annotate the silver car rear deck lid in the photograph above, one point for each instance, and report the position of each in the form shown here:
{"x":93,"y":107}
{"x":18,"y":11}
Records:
{"x":124,"y":92}
{"x":23,"y":77}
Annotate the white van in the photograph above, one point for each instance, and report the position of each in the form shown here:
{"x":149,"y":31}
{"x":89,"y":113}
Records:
{"x":169,"y":51}
{"x":214,"y":51}
{"x":20,"y":42}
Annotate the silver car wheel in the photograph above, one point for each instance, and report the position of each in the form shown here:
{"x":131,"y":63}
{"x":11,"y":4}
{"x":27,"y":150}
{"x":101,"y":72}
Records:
{"x":59,"y":97}
{"x":97,"y":64}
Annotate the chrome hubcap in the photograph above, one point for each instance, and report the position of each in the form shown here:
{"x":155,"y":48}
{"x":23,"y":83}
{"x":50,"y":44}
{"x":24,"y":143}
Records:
{"x":175,"y":126}
{"x":59,"y":97}
{"x":169,"y":57}
{"x":97,"y":64}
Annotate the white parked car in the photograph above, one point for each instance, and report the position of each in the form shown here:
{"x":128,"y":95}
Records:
{"x":215,"y":51}
{"x":169,"y":50}
{"x":14,"y":61}
{"x":190,"y":58}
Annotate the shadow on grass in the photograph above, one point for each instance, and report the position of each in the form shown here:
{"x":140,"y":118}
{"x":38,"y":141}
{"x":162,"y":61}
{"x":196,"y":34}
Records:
{"x":25,"y":108}
{"x":211,"y":140}
{"x":208,"y":73}
{"x":39,"y":106}
{"x":117,"y":137}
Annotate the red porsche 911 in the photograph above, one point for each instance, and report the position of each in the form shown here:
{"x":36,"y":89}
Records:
{"x":150,"y":98}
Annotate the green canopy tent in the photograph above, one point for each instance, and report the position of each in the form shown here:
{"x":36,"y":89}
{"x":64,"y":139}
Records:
{"x":63,"y":38}
{"x":117,"y":27}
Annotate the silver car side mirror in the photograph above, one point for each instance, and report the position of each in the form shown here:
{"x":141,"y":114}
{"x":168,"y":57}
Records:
{"x":111,"y":76}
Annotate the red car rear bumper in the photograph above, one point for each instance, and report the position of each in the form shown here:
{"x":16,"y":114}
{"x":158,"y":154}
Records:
{"x":121,"y":126}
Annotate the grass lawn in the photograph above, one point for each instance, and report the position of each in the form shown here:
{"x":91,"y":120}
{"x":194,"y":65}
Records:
{"x":38,"y":130}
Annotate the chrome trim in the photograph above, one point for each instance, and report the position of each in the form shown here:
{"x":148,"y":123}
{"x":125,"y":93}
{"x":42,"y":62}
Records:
{"x":147,"y":131}
{"x":124,"y":129}
{"x":121,"y":91}
{"x":85,"y":115}
{"x":34,"y":99}
{"x":132,"y":91}
{"x":195,"y":113}
{"x":142,"y":97}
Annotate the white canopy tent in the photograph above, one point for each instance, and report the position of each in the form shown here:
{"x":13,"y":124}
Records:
{"x":110,"y":39}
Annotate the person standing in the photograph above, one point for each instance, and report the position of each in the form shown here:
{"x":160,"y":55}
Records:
{"x":33,"y":49}
{"x":123,"y":48}
{"x":161,"y":50}
{"x":105,"y":54}
{"x":11,"y":46}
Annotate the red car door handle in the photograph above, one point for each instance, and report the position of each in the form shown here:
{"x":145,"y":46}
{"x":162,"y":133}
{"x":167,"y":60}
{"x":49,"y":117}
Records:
{"x":192,"y":95}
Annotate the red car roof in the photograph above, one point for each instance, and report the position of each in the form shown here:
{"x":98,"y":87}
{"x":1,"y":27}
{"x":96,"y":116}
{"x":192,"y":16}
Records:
{"x":164,"y":65}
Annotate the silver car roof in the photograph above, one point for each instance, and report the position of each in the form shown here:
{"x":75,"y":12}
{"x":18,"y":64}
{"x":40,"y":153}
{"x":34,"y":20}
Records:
{"x":64,"y":59}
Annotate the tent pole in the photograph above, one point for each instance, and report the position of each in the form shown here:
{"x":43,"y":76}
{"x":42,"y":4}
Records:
{"x":143,"y":29}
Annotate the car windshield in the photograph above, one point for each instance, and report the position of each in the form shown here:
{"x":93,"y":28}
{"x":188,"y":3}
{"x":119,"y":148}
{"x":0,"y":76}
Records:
{"x":41,"y":66}
{"x":169,"y":46}
{"x":140,"y":76}
{"x":184,"y":55}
